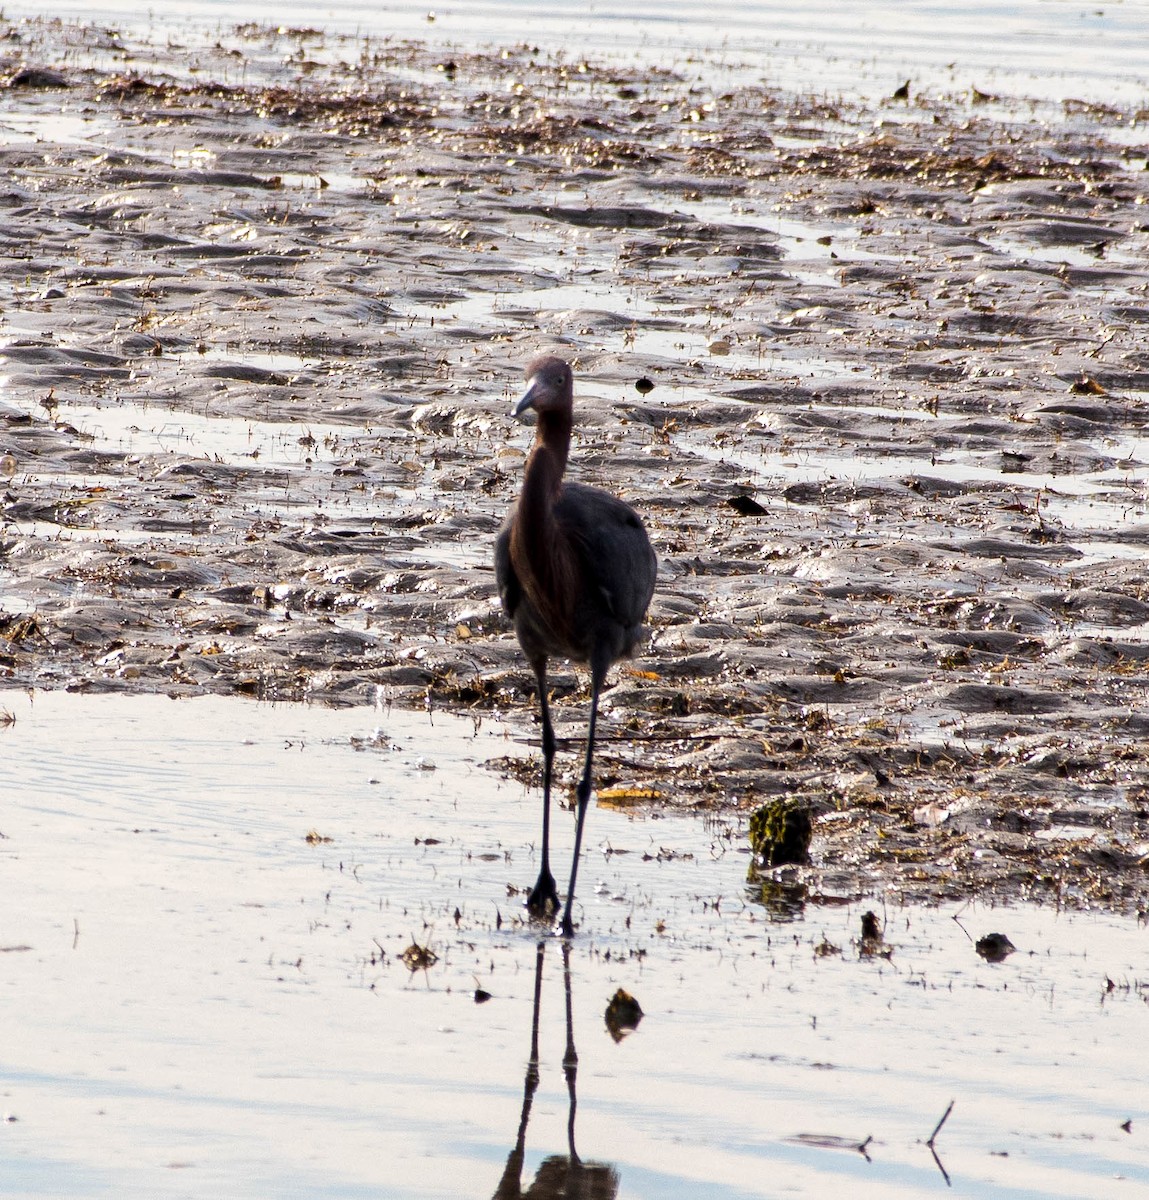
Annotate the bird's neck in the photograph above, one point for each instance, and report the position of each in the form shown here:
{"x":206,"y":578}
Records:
{"x":553,"y":432}
{"x":545,"y":469}
{"x":539,"y":548}
{"x":542,"y":482}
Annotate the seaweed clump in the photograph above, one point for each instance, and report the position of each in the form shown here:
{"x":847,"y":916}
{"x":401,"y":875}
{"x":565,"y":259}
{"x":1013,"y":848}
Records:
{"x":780,"y":834}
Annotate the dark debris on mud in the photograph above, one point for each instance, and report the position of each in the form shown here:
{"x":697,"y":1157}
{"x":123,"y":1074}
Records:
{"x":265,"y":301}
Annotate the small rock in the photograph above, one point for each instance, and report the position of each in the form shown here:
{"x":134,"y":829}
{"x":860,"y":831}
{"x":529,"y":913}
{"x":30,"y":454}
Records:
{"x":623,"y":1014}
{"x":995,"y":947}
{"x":36,"y":77}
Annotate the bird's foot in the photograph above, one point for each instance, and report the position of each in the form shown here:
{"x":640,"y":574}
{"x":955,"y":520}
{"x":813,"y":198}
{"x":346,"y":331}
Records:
{"x":544,"y":897}
{"x":565,"y":928}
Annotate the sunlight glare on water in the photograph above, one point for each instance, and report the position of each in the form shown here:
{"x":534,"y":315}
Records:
{"x":1045,"y":48}
{"x":208,"y":991}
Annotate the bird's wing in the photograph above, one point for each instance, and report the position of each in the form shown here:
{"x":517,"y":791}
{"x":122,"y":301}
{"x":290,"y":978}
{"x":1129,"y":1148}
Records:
{"x":609,"y":537}
{"x":510,"y":590}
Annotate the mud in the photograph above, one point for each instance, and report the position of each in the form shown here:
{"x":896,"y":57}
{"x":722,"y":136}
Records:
{"x":266,"y":298}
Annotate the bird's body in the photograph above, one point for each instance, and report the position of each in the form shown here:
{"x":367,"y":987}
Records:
{"x":598,"y":610}
{"x":575,"y":571}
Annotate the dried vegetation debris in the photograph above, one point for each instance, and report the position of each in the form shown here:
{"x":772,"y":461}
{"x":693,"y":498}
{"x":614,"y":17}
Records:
{"x":874,"y":376}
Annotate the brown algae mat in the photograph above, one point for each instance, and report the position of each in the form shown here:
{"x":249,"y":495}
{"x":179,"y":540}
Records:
{"x":267,"y":296}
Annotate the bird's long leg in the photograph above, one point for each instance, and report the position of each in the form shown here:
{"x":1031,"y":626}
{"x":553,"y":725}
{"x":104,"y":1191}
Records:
{"x":544,"y":895}
{"x":597,"y":676}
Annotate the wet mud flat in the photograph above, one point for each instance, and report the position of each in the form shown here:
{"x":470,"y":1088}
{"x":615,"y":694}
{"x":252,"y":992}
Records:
{"x":266,"y":298}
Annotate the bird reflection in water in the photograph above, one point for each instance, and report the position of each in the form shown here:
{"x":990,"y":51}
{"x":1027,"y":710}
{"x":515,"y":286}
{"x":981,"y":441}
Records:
{"x":560,"y":1176}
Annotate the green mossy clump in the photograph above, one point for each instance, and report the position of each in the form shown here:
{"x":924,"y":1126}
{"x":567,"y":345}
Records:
{"x":780,"y":833}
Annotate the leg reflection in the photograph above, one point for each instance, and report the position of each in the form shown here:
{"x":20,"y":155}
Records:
{"x":560,"y":1176}
{"x":510,"y":1185}
{"x":570,"y":1057}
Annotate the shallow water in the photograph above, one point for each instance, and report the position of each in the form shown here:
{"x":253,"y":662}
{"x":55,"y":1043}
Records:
{"x":208,"y":1001}
{"x":1045,"y":48}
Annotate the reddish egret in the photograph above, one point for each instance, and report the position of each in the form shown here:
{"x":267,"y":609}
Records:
{"x":575,"y":571}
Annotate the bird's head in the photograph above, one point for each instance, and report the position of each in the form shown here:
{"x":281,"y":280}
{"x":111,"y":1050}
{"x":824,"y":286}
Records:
{"x":550,"y":387}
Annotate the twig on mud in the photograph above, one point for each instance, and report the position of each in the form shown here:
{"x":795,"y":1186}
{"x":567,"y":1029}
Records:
{"x":938,"y":1126}
{"x":623,"y":738}
{"x":930,"y":1142}
{"x":831,"y":1141}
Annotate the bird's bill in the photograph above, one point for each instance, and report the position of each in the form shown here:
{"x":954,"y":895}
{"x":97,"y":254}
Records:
{"x":528,"y":398}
